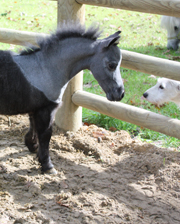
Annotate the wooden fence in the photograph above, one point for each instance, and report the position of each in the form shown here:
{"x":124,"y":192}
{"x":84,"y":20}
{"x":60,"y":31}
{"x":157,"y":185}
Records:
{"x":69,"y":117}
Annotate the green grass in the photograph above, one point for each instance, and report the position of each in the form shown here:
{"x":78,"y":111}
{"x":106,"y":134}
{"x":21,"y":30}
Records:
{"x":140,"y":33}
{"x":28,"y":15}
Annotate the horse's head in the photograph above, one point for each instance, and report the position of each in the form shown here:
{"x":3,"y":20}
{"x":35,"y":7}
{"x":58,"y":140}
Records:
{"x":105,"y":66}
{"x":172,"y":25}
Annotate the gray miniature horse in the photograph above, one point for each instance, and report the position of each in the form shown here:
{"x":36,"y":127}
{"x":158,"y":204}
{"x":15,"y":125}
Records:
{"x":172,"y":25}
{"x":34,"y":81}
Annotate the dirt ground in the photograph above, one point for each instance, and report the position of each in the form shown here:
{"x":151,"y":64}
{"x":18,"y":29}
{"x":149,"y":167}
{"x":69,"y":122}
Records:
{"x":103,"y":177}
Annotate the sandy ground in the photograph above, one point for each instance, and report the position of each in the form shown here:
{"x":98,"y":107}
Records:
{"x":103,"y":177}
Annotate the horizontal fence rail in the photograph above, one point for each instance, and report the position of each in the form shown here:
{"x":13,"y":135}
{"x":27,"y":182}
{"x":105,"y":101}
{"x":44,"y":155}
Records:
{"x":131,"y":114}
{"x":151,"y":65}
{"x":23,"y":38}
{"x":131,"y":60}
{"x":162,"y":7}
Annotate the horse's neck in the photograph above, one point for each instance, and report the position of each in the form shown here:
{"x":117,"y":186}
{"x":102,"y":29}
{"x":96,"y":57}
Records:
{"x":75,"y":55}
{"x":50,"y":72}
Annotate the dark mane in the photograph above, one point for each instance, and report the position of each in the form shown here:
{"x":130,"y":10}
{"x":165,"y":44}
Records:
{"x":30,"y":50}
{"x":66,"y":30}
{"x":69,"y":30}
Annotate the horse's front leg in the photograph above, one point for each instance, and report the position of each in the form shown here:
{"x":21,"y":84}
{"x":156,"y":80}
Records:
{"x":31,"y":138}
{"x":43,"y":123}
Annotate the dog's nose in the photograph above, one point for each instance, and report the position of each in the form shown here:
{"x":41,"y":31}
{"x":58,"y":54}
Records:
{"x":145,"y":95}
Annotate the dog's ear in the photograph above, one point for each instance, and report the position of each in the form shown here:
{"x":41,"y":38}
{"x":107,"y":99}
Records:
{"x":178,"y":87}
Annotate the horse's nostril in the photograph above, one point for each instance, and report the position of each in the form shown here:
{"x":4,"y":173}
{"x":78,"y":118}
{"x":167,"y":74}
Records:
{"x":145,"y":95}
{"x":122,"y":95}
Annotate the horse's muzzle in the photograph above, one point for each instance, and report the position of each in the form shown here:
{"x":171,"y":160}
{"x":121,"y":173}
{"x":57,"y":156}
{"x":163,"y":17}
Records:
{"x":115,"y":94}
{"x":173,"y":44}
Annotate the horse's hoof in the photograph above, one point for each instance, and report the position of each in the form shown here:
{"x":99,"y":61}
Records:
{"x":35,"y":150}
{"x":32,"y":147}
{"x":51,"y":171}
{"x":35,"y":147}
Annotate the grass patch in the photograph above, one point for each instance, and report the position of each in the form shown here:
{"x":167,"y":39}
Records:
{"x":141,"y":33}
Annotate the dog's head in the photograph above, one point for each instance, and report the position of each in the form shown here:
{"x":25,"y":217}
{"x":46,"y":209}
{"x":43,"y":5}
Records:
{"x":164,"y":91}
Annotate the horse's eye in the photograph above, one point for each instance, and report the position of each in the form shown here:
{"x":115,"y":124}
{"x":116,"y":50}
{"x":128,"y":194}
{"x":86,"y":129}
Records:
{"x":175,"y":28}
{"x":161,"y":87}
{"x":112,"y":66}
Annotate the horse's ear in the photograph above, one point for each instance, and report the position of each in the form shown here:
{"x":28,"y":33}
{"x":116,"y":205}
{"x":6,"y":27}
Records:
{"x":114,"y":35}
{"x":110,"y":41}
{"x":113,"y":39}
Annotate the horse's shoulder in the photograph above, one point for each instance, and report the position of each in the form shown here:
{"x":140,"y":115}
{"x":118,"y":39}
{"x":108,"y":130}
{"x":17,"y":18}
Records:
{"x":6,"y":62}
{"x":5,"y":55}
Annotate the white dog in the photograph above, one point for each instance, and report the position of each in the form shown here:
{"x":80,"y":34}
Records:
{"x":164,"y":91}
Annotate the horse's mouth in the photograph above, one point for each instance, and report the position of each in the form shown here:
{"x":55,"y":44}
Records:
{"x":115,"y":96}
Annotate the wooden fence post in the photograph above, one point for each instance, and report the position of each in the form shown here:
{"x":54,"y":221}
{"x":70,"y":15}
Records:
{"x":69,"y":116}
